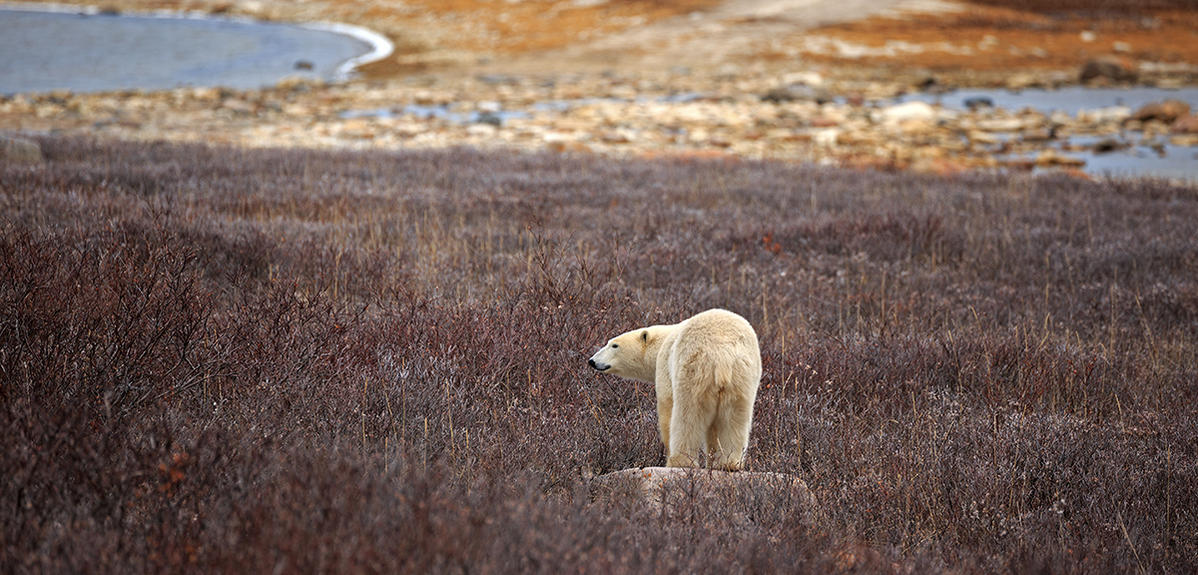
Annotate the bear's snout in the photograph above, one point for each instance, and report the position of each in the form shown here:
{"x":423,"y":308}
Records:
{"x":597,"y":366}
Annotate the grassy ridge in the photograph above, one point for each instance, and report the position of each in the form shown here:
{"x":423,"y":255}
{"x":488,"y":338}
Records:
{"x":219,"y":359}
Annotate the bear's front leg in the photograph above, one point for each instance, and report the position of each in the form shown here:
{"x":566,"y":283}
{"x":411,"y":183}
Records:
{"x":665,"y":407}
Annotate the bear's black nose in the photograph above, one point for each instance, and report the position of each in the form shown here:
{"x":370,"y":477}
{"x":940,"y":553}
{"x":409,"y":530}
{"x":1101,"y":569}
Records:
{"x":591,"y":362}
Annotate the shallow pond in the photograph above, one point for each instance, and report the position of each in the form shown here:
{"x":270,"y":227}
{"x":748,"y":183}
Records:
{"x":45,"y":51}
{"x":1158,"y":159}
{"x":1070,"y":100}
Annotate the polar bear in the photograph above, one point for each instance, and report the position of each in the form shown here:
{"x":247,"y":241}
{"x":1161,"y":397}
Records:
{"x":706,"y":371}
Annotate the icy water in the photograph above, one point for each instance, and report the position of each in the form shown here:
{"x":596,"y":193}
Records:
{"x":45,"y":51}
{"x":1069,"y":100}
{"x":1160,"y":160}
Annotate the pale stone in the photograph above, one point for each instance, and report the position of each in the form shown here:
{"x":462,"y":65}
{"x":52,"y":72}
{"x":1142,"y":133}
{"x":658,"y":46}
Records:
{"x":665,"y":486}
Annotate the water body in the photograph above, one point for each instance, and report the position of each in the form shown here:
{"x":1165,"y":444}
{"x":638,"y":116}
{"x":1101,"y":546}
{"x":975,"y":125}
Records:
{"x":1070,"y":100}
{"x":45,"y":51}
{"x":1153,"y":159}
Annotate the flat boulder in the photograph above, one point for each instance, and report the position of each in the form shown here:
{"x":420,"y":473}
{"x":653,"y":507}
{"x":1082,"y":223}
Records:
{"x":908,"y":112}
{"x":741,"y":493}
{"x":19,"y":151}
{"x":1167,"y":111}
{"x":1186,"y":125}
{"x":1109,"y":69}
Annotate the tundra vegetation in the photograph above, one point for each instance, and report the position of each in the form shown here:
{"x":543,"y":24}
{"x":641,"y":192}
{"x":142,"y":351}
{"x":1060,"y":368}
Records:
{"x":215,"y":359}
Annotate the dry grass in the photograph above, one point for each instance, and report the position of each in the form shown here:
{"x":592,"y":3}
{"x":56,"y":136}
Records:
{"x":227,"y":360}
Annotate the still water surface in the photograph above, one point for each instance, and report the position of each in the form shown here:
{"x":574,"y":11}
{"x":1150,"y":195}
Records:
{"x":45,"y":51}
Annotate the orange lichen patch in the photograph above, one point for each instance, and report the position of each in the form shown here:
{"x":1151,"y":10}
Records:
{"x":987,"y":38}
{"x":532,"y":25}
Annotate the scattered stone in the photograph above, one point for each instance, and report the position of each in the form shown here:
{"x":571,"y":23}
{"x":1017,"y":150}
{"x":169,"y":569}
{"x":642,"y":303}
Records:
{"x":906,"y":112}
{"x":304,"y":65}
{"x":1040,"y":134}
{"x":1186,"y":125}
{"x":1052,"y":158}
{"x":1001,"y":125}
{"x":20,"y":151}
{"x":1121,"y":47}
{"x":1023,"y":81}
{"x":1110,"y":69}
{"x":978,"y":102}
{"x":813,"y":79}
{"x":796,"y":93}
{"x":826,"y":138}
{"x":984,"y":138}
{"x":239,"y":106}
{"x":298,"y":83}
{"x":1108,"y":145}
{"x":1167,"y":111}
{"x":481,"y":130}
{"x":1105,"y":115}
{"x":489,"y":118}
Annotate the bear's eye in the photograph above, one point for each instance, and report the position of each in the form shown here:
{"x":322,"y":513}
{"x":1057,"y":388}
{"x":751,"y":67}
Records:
{"x":615,"y":345}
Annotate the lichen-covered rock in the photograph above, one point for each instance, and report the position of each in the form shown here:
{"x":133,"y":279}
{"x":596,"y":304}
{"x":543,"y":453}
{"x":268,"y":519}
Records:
{"x":1167,"y":111}
{"x":19,"y":150}
{"x":1110,"y":69}
{"x":741,"y":493}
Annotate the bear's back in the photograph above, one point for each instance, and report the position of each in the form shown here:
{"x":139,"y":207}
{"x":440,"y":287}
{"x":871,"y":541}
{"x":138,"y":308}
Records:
{"x":716,"y":328}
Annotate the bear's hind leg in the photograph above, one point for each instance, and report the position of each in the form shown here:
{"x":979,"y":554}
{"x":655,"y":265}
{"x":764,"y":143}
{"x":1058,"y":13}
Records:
{"x":665,"y":407}
{"x":689,"y":423}
{"x":732,"y":424}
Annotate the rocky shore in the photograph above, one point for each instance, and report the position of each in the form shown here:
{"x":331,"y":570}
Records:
{"x":798,"y":115}
{"x":737,"y":107}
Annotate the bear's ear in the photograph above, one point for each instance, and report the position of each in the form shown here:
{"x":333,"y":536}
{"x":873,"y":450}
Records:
{"x":645,"y":336}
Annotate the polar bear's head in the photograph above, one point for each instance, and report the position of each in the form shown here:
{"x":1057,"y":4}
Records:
{"x":632,"y":354}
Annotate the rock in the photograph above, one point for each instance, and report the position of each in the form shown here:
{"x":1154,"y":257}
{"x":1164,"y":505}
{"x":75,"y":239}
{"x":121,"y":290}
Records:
{"x":239,"y":106}
{"x":813,"y":79}
{"x":1186,"y":125}
{"x":826,"y":137}
{"x":617,"y":136}
{"x":1167,"y":111}
{"x":19,"y":151}
{"x":1001,"y":125}
{"x":1107,"y":145}
{"x":796,"y":92}
{"x":1108,"y":68}
{"x":739,"y":491}
{"x":489,"y":118}
{"x":979,"y":137}
{"x":1121,"y":47}
{"x":1051,"y":158}
{"x":481,"y":130}
{"x":906,"y":112}
{"x":1102,"y":115}
{"x":978,"y":102}
{"x":297,"y":84}
{"x":1023,"y":81}
{"x":1040,"y":134}
{"x":304,"y":65}
{"x":927,"y":83}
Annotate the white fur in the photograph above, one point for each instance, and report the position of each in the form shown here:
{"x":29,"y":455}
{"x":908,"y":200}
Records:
{"x":706,"y":370}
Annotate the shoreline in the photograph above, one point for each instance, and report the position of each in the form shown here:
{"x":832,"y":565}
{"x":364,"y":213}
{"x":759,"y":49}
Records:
{"x":792,"y":110}
{"x":380,"y":47}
